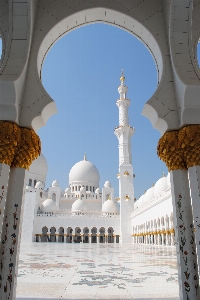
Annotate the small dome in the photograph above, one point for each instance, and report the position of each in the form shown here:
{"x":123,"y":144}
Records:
{"x":97,"y":191}
{"x":55,"y":183}
{"x":136,"y":204}
{"x":141,"y":201}
{"x":48,"y":206}
{"x":168,"y":180}
{"x":84,"y":171}
{"x":107,"y":184}
{"x":39,"y":185}
{"x":109,"y":206}
{"x":68,"y":190}
{"x":149,"y":194}
{"x":82,"y":189}
{"x":79,"y":206}
{"x":160,"y":186}
{"x":39,"y":166}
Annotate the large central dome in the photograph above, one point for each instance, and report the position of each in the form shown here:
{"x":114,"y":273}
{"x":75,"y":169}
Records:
{"x":84,"y":172}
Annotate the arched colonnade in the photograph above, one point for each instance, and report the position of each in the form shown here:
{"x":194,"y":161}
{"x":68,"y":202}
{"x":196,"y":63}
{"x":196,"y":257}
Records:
{"x":159,"y":231}
{"x":77,"y":235}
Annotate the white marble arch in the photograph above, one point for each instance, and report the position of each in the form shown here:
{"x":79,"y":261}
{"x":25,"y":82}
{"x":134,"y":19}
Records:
{"x":70,"y":21}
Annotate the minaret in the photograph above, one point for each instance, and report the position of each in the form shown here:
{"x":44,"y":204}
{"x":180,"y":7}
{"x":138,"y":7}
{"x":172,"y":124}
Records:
{"x":124,"y":133}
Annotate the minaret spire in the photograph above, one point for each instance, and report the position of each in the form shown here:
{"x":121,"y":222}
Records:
{"x":124,"y":133}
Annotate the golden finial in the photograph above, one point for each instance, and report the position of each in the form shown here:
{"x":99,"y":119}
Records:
{"x":122,"y":78}
{"x":84,"y":158}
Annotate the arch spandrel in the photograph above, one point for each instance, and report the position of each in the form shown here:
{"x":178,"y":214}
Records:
{"x":142,"y":23}
{"x":184,"y":33}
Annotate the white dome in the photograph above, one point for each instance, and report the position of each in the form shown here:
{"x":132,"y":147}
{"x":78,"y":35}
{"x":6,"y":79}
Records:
{"x":84,"y":171}
{"x":48,"y":206}
{"x":107,"y":184}
{"x":82,"y":189}
{"x":68,"y":190}
{"x":141,"y":201}
{"x":39,"y":185}
{"x":168,"y":180}
{"x":109,"y":206}
{"x":39,"y":166}
{"x":97,"y":191}
{"x":136,"y":205}
{"x":149,"y":194}
{"x":79,"y":206}
{"x":55,"y":183}
{"x":160,"y":186}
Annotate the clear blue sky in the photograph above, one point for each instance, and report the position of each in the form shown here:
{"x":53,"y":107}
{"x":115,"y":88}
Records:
{"x":81,"y":73}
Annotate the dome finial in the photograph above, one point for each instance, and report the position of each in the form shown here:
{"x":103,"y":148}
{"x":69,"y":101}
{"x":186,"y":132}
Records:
{"x":84,"y":158}
{"x":122,"y":78}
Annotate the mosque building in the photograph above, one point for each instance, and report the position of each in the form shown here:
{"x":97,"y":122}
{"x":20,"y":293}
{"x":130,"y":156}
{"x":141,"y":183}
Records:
{"x":85,"y":212}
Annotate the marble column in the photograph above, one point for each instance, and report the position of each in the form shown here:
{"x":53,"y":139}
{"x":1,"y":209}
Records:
{"x":172,"y":239}
{"x":159,"y":239}
{"x":185,"y":240}
{"x":11,"y":234}
{"x":4,"y":176}
{"x":162,"y":242}
{"x":194,"y":177}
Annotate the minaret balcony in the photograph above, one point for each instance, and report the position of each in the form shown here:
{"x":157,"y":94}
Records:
{"x":126,"y":130}
{"x":123,"y":102}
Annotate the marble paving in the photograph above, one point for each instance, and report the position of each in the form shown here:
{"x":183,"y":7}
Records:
{"x":97,"y":271}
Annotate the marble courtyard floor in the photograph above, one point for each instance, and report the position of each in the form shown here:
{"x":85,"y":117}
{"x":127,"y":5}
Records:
{"x":97,"y":271}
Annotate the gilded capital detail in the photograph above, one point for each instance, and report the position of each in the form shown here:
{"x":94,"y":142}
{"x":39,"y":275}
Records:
{"x":18,"y":146}
{"x":30,"y":149}
{"x":180,"y":149}
{"x":10,"y":136}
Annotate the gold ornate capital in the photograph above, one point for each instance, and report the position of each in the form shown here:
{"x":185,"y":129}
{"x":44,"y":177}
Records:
{"x":30,"y":149}
{"x":180,"y":149}
{"x":18,"y":146}
{"x":10,"y":136}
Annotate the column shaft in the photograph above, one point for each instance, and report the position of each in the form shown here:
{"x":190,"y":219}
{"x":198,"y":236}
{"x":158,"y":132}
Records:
{"x":11,"y":234}
{"x":194,"y":177}
{"x":4,"y":176}
{"x":184,"y":234}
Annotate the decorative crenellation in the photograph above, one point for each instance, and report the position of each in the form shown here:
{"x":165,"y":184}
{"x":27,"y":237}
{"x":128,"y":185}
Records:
{"x":180,"y":149}
{"x":18,"y":146}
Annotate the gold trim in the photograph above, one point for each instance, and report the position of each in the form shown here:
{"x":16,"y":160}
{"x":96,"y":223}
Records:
{"x":126,"y":173}
{"x":154,"y":232}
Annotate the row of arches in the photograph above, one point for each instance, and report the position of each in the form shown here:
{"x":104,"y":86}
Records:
{"x":76,"y":188}
{"x":76,"y":236}
{"x":32,"y":182}
{"x":159,"y":231}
